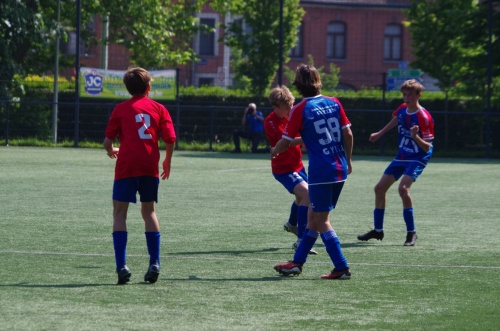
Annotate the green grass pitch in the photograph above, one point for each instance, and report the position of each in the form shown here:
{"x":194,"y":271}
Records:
{"x":221,"y":219}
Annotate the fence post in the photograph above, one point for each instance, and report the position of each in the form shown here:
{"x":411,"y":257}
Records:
{"x":382,"y":114}
{"x":77,"y":75}
{"x":177,"y":108}
{"x":7,"y":110}
{"x":211,"y":109}
{"x":489,"y":77}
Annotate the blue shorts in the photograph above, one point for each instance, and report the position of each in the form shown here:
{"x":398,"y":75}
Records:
{"x":400,"y":168}
{"x":324,"y":197}
{"x":125,"y":189}
{"x":290,"y":179}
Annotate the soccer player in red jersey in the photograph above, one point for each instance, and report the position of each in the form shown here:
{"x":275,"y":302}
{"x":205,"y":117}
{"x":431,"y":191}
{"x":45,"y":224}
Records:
{"x":415,"y":136}
{"x":287,"y":168}
{"x":138,"y":123}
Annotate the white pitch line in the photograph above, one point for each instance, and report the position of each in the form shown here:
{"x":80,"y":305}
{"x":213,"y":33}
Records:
{"x":260,"y":260}
{"x":242,"y":169}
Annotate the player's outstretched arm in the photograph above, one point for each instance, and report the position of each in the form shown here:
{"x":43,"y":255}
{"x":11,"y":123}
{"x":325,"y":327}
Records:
{"x":377,"y":135}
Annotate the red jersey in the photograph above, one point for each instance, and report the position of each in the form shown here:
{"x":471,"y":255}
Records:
{"x":291,"y":159}
{"x":138,"y":123}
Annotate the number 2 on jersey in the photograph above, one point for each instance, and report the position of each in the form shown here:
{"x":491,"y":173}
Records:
{"x":145,"y":119}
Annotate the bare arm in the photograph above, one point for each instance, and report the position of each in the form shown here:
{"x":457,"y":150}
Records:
{"x":280,"y":147}
{"x":108,"y":146}
{"x":377,"y":135}
{"x":296,"y":141}
{"x":167,"y":161}
{"x":348,"y":145}
{"x":425,"y":145}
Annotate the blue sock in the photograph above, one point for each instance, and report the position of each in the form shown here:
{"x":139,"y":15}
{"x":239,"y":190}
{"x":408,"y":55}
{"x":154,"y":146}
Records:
{"x":293,"y":214}
{"x":305,"y":246}
{"x":153,"y":243}
{"x":378,"y":218}
{"x":409,"y":220}
{"x":120,"y":245}
{"x":301,"y":220}
{"x":332,"y":245}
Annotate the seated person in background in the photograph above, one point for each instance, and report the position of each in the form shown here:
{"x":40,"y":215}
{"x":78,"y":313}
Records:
{"x":253,"y":128}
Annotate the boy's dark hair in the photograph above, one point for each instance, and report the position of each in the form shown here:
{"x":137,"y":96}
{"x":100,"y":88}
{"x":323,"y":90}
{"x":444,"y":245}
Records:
{"x":307,"y":80}
{"x":137,"y":80}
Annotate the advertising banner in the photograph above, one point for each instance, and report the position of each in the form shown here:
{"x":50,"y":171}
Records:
{"x":100,"y":83}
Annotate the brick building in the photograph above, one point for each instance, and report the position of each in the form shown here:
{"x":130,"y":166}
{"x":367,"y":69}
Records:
{"x":364,"y":38}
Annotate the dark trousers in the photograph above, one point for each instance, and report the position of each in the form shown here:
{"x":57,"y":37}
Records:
{"x":255,"y":137}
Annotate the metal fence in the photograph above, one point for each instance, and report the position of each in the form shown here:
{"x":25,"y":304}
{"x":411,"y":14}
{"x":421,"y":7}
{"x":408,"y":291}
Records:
{"x":475,"y":134}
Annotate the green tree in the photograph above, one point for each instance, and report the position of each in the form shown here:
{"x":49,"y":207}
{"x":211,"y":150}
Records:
{"x":23,"y":35}
{"x":256,"y":37}
{"x":477,"y":37}
{"x":450,"y":39}
{"x":158,"y":33}
{"x":450,"y":42}
{"x":437,"y":30}
{"x":329,"y":80}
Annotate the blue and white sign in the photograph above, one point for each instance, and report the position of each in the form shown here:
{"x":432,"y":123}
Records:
{"x":93,"y":83}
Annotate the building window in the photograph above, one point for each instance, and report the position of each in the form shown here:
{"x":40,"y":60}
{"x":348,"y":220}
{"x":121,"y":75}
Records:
{"x":206,"y":43}
{"x":207,"y":38}
{"x":298,"y":51}
{"x":69,"y":47}
{"x":205,"y":81}
{"x":243,"y":28}
{"x":393,"y":42}
{"x":335,"y":40}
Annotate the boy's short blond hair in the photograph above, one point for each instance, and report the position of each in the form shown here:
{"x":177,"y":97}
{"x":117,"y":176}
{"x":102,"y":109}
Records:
{"x":412,"y":85}
{"x":281,"y":96}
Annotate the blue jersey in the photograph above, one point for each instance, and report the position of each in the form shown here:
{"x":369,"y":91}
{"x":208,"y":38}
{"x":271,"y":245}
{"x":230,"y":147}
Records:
{"x":408,"y":149}
{"x":253,"y":123}
{"x":319,"y":121}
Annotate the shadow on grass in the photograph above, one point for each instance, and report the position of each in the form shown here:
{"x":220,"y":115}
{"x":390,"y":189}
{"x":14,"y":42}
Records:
{"x":190,"y":278}
{"x":28,"y":285}
{"x":276,"y":249}
{"x":266,"y":250}
{"x":224,"y":155}
{"x":241,"y":279}
{"x":358,"y":244}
